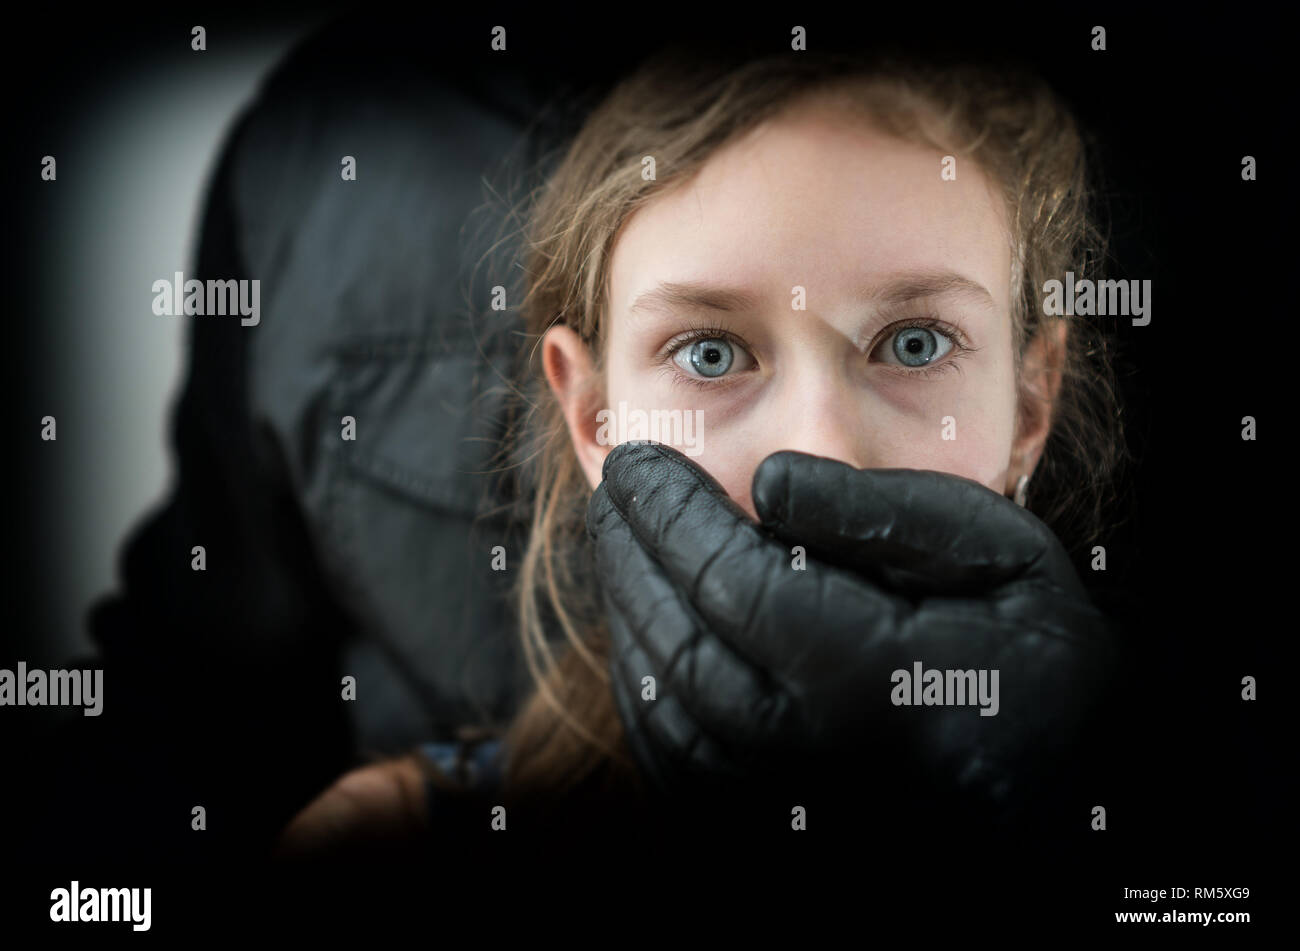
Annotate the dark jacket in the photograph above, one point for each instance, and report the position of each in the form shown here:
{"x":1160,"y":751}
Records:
{"x":329,"y":557}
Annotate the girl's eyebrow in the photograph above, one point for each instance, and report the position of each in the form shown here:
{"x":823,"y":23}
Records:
{"x":912,"y":285}
{"x":676,"y":296}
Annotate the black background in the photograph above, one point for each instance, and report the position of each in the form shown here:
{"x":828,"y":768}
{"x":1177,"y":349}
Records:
{"x":1202,"y":560}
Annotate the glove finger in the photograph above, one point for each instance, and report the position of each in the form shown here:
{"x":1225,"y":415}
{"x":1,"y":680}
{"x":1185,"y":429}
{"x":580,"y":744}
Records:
{"x":741,"y":583}
{"x":655,"y":632}
{"x":673,"y":750}
{"x":915,"y":530}
{"x":659,"y":740}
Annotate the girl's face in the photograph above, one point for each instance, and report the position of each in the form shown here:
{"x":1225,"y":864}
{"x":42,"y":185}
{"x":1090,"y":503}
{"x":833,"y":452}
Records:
{"x":818,"y":287}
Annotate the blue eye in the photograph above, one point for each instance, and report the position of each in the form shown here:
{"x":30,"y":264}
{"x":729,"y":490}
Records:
{"x":918,"y":346}
{"x":710,"y":357}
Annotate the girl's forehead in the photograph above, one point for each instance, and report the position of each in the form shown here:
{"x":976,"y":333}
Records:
{"x":823,"y":200}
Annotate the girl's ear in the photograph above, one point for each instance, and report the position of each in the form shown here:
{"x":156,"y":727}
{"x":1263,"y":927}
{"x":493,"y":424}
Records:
{"x":1041,"y":373}
{"x":570,"y":371}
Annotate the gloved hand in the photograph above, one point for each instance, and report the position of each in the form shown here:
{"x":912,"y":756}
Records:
{"x":766,"y":671}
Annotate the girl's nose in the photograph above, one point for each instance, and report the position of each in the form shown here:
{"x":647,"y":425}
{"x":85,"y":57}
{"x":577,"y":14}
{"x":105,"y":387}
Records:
{"x":823,"y":414}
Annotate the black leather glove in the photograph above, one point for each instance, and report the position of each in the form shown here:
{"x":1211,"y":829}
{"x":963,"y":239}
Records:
{"x":771,"y":674}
